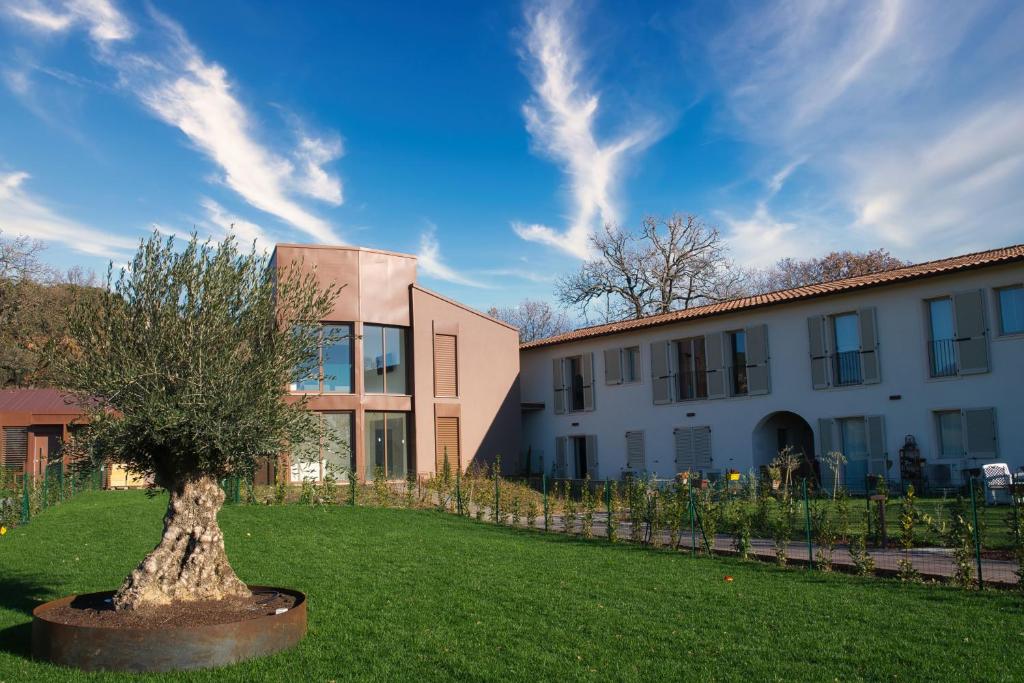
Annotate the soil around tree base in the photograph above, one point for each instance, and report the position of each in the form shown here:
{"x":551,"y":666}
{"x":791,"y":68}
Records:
{"x":97,"y":610}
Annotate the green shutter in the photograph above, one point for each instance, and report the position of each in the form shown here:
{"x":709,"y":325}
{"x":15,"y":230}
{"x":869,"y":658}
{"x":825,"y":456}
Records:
{"x":869,"y":362}
{"x":971,"y":332}
{"x":558,"y":377}
{"x":613,"y":366}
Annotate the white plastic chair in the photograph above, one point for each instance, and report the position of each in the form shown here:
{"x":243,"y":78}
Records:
{"x":997,"y":483}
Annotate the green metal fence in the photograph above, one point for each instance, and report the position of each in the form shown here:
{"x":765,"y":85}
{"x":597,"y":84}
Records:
{"x":22,"y":497}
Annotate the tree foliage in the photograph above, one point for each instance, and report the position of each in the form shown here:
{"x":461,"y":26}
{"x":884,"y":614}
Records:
{"x":788,"y":273}
{"x":667,"y":265}
{"x":535,"y":319}
{"x":185,"y":359}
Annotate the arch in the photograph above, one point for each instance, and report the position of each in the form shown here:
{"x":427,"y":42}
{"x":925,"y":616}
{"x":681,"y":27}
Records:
{"x":783,"y":428}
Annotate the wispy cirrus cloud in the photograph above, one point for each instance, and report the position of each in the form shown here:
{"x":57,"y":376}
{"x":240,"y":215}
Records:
{"x":175,"y":83}
{"x":224,"y":223}
{"x":23,"y":213}
{"x":561,"y":118}
{"x":430,"y":261}
{"x":905,"y":112}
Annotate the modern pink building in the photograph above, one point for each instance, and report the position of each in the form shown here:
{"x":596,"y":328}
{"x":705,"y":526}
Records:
{"x":411,"y":375}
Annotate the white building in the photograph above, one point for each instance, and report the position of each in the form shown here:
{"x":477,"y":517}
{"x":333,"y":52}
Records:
{"x":932,"y":352}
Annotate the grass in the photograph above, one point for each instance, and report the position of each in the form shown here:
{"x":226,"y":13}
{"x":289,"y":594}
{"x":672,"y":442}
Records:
{"x":400,"y":595}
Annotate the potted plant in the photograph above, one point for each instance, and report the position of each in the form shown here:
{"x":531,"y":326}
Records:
{"x":184,"y":363}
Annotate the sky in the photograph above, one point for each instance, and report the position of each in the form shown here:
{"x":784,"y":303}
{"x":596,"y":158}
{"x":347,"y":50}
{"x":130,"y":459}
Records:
{"x":493,"y":138}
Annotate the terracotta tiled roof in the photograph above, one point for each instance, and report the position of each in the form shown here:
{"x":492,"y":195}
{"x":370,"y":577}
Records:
{"x":914,"y":272}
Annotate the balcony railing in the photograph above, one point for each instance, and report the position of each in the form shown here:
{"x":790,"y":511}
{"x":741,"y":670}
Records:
{"x":942,"y":357}
{"x":847,"y":368}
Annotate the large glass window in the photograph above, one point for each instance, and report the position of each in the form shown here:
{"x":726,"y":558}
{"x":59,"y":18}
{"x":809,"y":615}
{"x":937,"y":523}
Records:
{"x":951,"y":434}
{"x":845,"y":329}
{"x":385,"y":367}
{"x":326,"y":452}
{"x":941,"y":347}
{"x":854,"y":434}
{"x":1011,"y":310}
{"x":331,"y":369}
{"x":738,"y":343}
{"x":692,"y":378}
{"x":631,"y":364}
{"x":387,"y":444}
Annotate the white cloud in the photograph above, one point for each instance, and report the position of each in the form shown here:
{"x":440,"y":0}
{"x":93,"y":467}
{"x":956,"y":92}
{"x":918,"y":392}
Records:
{"x":225,"y":222}
{"x":762,"y":239}
{"x":104,"y":22}
{"x":22,"y":213}
{"x":560,"y":117}
{"x":430,"y":262}
{"x":180,"y":87}
{"x":902,"y":114}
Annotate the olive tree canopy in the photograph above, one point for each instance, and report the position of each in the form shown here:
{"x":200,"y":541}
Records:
{"x":184,"y":364}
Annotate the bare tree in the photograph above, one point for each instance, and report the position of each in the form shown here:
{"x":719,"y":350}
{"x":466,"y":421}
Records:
{"x":668,"y":265}
{"x":535,"y":319}
{"x":789,"y":273}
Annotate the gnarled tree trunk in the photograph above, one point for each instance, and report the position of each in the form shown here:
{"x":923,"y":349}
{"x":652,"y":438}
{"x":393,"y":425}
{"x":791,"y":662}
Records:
{"x":189,"y":564}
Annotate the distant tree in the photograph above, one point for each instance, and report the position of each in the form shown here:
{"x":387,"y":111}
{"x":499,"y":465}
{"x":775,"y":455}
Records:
{"x":33,"y":301}
{"x":789,"y":273}
{"x":184,"y":363}
{"x":535,"y":319}
{"x":668,"y":265}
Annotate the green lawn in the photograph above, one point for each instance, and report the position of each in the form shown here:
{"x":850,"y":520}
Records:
{"x":420,"y":595}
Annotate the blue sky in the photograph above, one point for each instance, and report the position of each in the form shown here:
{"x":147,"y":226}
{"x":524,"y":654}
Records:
{"x":492,"y":138}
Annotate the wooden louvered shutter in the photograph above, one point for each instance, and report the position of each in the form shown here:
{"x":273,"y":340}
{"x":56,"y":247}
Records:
{"x":758,"y":378}
{"x":561,"y":443}
{"x":819,"y":351}
{"x":875,"y":429}
{"x":446,"y":441}
{"x":613,"y":366}
{"x":446,"y":370}
{"x":558,"y":379}
{"x":635,"y":457}
{"x":971,"y":332}
{"x":587,"y":372}
{"x":718,"y":374}
{"x":702,"y":448}
{"x":684,"y":449}
{"x":661,"y":377}
{"x":870,"y":367}
{"x":15,"y":447}
{"x":980,"y":433}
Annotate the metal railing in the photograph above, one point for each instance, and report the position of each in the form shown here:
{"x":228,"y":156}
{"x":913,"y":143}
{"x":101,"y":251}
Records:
{"x":942,"y":357}
{"x":846,"y":365}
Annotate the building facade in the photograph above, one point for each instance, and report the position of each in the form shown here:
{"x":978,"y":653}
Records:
{"x":925,"y":361}
{"x":406,"y":378}
{"x":34,"y":423}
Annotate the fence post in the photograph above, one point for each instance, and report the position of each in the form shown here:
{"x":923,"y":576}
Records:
{"x":458,"y":490}
{"x":693,"y":527}
{"x":977,"y":534}
{"x":26,"y":506}
{"x":867,"y":501}
{"x":608,"y":506}
{"x":544,"y":491}
{"x":807,"y":528}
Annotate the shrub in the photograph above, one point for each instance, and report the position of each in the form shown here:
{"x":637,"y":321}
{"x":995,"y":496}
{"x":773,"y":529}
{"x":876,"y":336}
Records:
{"x":863,"y":563}
{"x":569,"y":514}
{"x":908,"y":519}
{"x":589,"y":504}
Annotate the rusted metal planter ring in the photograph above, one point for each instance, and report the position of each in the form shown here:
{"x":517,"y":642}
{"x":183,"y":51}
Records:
{"x":95,"y":648}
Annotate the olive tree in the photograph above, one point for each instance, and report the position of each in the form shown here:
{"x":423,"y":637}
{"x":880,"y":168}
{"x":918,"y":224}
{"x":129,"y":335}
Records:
{"x":184,"y":364}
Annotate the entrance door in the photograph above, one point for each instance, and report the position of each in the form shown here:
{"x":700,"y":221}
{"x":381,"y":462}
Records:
{"x":48,"y":448}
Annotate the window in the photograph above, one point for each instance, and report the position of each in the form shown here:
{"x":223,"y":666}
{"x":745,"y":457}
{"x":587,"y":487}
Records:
{"x":446,"y":380}
{"x":575,"y":457}
{"x":631,"y":364}
{"x":328,"y":453}
{"x":331,"y":370}
{"x":446,"y":444}
{"x":636,"y":459}
{"x":846,"y":362}
{"x":579,"y":456}
{"x":692,"y":379}
{"x":941,"y":347}
{"x":738,"y":357}
{"x":854,"y":436}
{"x":385,"y":368}
{"x":574,"y":367}
{"x":1011,"y":309}
{"x":951,"y":434}
{"x":387,"y":445}
{"x":693,"y":449}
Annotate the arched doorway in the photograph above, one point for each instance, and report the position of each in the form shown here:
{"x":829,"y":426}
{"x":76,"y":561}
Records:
{"x":782,"y":428}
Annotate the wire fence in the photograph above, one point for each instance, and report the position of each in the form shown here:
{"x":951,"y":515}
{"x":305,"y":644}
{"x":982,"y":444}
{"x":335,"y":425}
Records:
{"x":23,"y":497}
{"x":968,"y":536}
